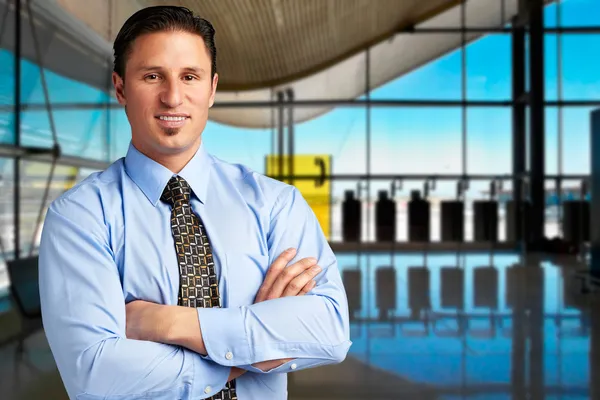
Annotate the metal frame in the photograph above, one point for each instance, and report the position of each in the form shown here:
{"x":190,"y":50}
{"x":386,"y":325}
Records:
{"x":520,"y":99}
{"x":17,"y":163}
{"x":322,"y":103}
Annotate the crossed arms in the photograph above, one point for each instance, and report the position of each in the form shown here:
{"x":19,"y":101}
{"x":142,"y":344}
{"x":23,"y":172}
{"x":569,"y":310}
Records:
{"x":93,"y":340}
{"x":180,"y":325}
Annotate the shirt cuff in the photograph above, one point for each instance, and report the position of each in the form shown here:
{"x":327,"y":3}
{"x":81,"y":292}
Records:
{"x":294,"y":365}
{"x":224,"y":335}
{"x":209,"y":378}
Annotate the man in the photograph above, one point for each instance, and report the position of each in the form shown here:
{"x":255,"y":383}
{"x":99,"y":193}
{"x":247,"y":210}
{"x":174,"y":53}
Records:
{"x":166,"y":276}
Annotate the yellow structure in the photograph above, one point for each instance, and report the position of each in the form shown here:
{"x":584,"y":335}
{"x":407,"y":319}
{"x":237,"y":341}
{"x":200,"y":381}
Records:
{"x":317,"y":192}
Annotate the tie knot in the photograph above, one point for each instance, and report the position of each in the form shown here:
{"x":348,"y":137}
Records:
{"x":176,"y":191}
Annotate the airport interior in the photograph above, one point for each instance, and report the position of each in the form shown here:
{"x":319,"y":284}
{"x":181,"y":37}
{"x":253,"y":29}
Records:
{"x":450,"y":150}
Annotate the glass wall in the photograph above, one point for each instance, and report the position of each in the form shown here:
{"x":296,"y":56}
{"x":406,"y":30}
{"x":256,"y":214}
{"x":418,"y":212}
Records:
{"x":82,"y":121}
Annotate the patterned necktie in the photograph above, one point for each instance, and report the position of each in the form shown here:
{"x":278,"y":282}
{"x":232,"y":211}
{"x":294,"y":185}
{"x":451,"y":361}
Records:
{"x":198,"y":281}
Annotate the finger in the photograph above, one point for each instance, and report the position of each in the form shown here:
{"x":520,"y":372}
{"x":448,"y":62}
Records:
{"x":289,"y":273}
{"x":307,"y":288}
{"x":296,"y":284}
{"x":274,"y":271}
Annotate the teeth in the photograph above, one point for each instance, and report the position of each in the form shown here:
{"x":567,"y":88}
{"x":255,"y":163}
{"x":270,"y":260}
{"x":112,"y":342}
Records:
{"x":162,"y":117}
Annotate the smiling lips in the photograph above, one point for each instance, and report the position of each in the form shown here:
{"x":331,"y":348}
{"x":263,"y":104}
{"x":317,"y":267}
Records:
{"x":172,"y":120}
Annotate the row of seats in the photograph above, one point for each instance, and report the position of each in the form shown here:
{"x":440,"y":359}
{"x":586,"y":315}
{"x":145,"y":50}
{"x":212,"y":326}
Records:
{"x":576,"y":219}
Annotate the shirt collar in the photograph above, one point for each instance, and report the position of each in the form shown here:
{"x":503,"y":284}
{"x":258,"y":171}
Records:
{"x":152,"y":177}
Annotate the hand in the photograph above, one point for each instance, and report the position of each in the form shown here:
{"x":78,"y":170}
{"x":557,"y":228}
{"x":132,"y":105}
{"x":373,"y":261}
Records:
{"x":295,"y":280}
{"x":146,"y":321}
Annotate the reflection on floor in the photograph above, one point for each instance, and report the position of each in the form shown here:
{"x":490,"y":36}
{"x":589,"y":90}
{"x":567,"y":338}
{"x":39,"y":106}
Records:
{"x":522,"y":329}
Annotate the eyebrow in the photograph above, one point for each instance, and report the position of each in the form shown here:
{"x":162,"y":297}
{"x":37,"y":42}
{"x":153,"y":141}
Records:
{"x":147,"y":68}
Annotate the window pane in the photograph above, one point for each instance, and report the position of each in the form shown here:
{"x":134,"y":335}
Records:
{"x":120,"y":133}
{"x":580,"y":13}
{"x":81,"y":133}
{"x":60,"y":89}
{"x":246,"y":146}
{"x":576,"y":142}
{"x":340,"y":133}
{"x":489,"y":80}
{"x":7,"y":81}
{"x":551,"y":141}
{"x":550,"y":16}
{"x":551,"y":66}
{"x":7,"y":131}
{"x":416,"y":140}
{"x":7,"y":90}
{"x":489,"y":140}
{"x":581,"y":80}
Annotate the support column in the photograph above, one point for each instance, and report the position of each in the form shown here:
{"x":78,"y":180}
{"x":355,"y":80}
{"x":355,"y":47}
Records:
{"x":595,"y":193}
{"x":537,"y":130}
{"x":518,"y":118}
{"x":291,"y":140}
{"x":17,"y":127}
{"x":280,"y":128}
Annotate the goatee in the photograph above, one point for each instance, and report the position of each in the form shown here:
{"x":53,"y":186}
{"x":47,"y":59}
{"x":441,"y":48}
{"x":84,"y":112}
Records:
{"x":171,"y":131}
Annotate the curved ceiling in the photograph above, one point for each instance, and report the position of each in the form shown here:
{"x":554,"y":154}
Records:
{"x":314,"y":47}
{"x":397,"y":55}
{"x":265,"y":43}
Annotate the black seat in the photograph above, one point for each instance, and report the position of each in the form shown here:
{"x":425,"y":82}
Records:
{"x":23,"y":274}
{"x":24,"y":290}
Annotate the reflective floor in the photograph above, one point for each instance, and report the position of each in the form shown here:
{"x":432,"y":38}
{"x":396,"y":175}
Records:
{"x":462,"y":329}
{"x":469,"y":326}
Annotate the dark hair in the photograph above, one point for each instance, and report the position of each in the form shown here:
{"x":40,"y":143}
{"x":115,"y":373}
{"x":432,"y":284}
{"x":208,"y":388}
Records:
{"x":160,"y":19}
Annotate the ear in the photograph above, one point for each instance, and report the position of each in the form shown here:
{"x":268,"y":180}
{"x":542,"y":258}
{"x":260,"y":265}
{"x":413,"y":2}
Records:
{"x":119,"y":85}
{"x":213,"y":90}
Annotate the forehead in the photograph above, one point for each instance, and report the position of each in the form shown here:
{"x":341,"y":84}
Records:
{"x":169,"y":49}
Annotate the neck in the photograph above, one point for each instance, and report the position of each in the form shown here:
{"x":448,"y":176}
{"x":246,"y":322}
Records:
{"x":175,"y":161}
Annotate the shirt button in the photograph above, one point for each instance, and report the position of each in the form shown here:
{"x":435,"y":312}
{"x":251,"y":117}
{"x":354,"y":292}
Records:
{"x":293,"y":366}
{"x":207,"y":389}
{"x":229,"y":355}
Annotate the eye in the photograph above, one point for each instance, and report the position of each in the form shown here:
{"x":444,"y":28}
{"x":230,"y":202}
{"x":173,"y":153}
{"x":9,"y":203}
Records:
{"x":151,"y":77}
{"x":189,"y":77}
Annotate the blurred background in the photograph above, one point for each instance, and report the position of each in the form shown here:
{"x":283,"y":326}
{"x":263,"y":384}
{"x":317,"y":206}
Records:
{"x":449,"y":148}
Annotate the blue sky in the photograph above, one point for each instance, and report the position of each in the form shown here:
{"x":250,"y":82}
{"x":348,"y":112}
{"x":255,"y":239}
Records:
{"x":404,"y":140}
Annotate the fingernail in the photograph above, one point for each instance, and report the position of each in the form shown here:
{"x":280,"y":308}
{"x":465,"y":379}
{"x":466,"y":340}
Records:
{"x":312,"y":260}
{"x":316,"y":268}
{"x":291,"y":250}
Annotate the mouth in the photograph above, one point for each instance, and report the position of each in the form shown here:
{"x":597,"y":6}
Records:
{"x":172,"y":120}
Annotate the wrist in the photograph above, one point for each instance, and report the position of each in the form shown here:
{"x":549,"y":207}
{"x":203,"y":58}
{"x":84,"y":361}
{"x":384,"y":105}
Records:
{"x":184,"y":329}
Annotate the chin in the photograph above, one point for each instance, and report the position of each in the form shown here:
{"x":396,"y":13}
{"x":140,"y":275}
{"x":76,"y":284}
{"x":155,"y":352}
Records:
{"x":176,"y":142}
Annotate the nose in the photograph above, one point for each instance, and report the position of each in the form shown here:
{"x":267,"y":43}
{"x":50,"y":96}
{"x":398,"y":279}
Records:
{"x":171,"y":95}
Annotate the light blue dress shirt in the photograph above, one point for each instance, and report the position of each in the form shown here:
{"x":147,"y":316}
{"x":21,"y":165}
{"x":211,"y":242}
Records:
{"x":108,"y":241}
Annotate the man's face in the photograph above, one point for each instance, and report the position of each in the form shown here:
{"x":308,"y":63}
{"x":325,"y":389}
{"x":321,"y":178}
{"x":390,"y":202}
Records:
{"x":167,"y":91}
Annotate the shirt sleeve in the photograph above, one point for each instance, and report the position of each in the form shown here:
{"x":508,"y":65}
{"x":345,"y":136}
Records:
{"x":83,"y":311}
{"x":312,"y":329}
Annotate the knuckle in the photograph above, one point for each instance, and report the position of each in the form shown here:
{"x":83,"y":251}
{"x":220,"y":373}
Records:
{"x":307,"y":262}
{"x":294,"y":286}
{"x":274,"y":269}
{"x":287,"y":273}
